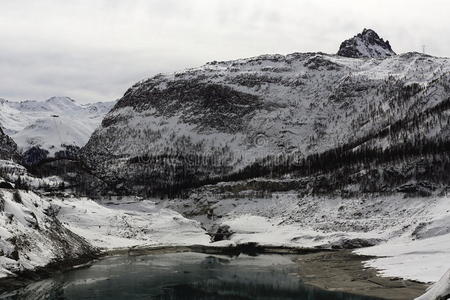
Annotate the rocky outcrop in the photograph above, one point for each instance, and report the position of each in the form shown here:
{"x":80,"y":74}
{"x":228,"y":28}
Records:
{"x":222,"y":233}
{"x":366,"y":44}
{"x":8,"y":148}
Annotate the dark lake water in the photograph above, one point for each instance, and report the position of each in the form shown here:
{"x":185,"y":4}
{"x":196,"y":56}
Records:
{"x":180,"y":276}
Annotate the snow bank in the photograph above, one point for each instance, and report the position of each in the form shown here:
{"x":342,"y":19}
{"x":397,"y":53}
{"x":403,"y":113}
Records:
{"x":127,"y":224}
{"x":422,"y":249}
{"x":424,"y":260}
{"x":272,"y":232}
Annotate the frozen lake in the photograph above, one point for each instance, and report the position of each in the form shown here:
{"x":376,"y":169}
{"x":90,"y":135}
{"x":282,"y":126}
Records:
{"x":180,"y":276}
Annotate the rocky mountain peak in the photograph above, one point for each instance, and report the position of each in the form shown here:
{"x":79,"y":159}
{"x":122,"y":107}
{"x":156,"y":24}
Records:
{"x":366,"y":44}
{"x":60,"y":100}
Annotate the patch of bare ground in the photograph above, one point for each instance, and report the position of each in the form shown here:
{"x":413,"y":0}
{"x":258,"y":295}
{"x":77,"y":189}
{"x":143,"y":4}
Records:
{"x":344,"y":271}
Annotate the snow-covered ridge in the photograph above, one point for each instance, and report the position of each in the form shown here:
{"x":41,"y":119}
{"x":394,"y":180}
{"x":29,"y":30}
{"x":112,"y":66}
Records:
{"x":52,"y":123}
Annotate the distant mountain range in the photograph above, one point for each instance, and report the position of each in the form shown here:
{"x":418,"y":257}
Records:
{"x":51,"y":125}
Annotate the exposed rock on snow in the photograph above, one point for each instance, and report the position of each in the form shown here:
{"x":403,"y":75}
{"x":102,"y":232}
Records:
{"x":222,"y":233}
{"x":355,"y":243}
{"x":366,"y":44}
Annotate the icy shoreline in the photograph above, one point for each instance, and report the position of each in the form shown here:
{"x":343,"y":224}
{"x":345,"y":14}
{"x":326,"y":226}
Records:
{"x":353,"y":282}
{"x":345,"y":268}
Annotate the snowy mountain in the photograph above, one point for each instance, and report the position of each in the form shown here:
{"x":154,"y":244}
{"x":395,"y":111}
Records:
{"x":51,"y":125}
{"x":366,"y":44}
{"x":220,"y":118}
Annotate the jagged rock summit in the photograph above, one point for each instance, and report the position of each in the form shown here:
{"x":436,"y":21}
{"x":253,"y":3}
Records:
{"x":366,"y":44}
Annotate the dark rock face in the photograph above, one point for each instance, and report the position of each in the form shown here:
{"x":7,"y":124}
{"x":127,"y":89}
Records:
{"x":8,"y":148}
{"x":203,"y":104}
{"x":34,"y":155}
{"x":366,"y":44}
{"x":5,"y":185}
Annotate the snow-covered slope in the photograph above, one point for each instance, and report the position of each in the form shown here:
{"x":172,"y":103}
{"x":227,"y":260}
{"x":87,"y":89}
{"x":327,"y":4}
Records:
{"x":53,"y":133}
{"x":31,"y":237}
{"x":128,"y":223}
{"x":219,"y":118}
{"x":52,"y":124}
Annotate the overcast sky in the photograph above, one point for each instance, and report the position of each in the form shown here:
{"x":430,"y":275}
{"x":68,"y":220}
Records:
{"x":93,"y":50}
